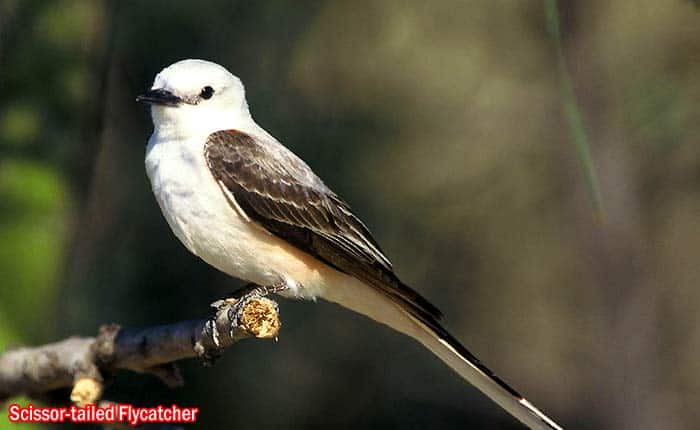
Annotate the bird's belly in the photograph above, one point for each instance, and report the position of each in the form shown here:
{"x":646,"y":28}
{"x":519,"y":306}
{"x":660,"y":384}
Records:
{"x":209,"y":226}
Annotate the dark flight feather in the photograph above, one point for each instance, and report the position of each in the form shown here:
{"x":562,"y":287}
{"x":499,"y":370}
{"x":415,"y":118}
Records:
{"x":279,"y":191}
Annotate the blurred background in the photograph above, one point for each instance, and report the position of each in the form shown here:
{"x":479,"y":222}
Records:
{"x":441,"y":123}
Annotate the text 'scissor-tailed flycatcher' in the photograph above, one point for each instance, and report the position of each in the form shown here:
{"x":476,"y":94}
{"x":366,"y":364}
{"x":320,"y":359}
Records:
{"x":248,"y":206}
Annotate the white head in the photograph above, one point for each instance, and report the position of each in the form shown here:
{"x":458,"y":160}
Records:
{"x":194,"y":97}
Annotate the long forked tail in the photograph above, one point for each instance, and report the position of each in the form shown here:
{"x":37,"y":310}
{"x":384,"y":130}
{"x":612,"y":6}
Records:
{"x":452,"y":353}
{"x":397,"y":314}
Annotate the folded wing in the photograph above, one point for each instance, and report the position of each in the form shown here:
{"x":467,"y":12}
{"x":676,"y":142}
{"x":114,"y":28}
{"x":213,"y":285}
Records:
{"x":279,"y":191}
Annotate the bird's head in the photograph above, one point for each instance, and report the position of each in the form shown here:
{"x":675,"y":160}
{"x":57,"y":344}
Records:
{"x":196,"y":97}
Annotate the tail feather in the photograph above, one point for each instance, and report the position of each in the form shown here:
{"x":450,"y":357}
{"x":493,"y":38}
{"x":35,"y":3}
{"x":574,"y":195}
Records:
{"x":452,"y":353}
{"x":402,"y":316}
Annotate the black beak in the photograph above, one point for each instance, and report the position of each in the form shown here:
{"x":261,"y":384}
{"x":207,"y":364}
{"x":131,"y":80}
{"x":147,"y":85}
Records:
{"x":159,"y":97}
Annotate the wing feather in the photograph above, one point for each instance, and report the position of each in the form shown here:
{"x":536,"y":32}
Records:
{"x":279,"y":191}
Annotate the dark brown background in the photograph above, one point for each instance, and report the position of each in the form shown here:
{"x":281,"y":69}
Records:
{"x":441,"y":124}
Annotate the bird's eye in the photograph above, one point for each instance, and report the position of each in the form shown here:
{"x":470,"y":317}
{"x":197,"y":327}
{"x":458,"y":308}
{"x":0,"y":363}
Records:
{"x":207,"y":92}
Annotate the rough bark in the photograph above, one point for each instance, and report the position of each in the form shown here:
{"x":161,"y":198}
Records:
{"x":81,"y":362}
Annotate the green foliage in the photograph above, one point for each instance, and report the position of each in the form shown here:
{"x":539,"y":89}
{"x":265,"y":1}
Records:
{"x":33,"y":215}
{"x":19,"y":124}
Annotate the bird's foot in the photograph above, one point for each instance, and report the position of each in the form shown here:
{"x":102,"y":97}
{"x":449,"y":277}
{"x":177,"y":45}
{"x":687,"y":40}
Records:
{"x":246,"y":313}
{"x":252,"y":289}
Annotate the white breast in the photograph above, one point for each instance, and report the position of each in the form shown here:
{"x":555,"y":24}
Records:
{"x":206,"y":223}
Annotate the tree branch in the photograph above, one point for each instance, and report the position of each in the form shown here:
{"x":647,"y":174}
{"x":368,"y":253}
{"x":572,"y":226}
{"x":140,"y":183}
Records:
{"x":80,"y":362}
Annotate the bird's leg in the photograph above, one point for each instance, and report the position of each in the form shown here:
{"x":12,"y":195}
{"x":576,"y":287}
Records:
{"x":256,"y":290}
{"x":240,"y":295}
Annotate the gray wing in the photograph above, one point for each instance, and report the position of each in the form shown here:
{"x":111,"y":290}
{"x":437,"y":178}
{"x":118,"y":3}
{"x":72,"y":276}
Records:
{"x":279,"y":191}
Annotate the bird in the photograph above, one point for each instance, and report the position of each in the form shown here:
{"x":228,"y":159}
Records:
{"x":248,"y":206}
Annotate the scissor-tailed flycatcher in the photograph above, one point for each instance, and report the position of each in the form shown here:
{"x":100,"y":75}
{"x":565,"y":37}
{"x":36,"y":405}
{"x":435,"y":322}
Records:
{"x":248,"y":206}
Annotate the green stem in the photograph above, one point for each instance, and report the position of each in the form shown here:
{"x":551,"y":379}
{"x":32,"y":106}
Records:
{"x":572,"y":112}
